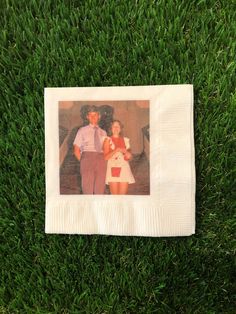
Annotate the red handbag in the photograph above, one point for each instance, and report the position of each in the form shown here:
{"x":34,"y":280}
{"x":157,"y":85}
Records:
{"x":115,"y":171}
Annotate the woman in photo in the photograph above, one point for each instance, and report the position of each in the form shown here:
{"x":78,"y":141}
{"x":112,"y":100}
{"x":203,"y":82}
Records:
{"x":116,"y":150}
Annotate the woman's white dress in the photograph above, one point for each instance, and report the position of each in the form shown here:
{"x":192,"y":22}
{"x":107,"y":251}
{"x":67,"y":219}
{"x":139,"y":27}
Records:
{"x":117,"y":160}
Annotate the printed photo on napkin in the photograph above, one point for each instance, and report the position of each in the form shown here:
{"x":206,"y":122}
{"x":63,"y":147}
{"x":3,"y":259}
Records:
{"x":120,"y":160}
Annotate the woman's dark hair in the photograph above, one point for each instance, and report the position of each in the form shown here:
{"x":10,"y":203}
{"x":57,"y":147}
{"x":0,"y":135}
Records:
{"x":121,"y":127}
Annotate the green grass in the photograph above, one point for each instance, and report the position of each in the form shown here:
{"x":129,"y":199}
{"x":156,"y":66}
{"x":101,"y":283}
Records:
{"x":104,"y":43}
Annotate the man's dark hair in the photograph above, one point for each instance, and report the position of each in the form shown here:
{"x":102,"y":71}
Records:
{"x":85,"y":109}
{"x":93,"y":108}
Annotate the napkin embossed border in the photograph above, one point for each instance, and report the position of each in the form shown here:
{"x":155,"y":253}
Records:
{"x":169,"y":210}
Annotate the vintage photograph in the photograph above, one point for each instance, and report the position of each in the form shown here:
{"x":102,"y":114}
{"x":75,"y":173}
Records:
{"x":104,"y":147}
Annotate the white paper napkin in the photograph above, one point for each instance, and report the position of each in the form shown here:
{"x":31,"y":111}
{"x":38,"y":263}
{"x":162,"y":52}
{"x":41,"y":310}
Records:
{"x":169,"y":210}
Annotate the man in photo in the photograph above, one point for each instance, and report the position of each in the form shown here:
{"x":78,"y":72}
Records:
{"x":88,"y":150}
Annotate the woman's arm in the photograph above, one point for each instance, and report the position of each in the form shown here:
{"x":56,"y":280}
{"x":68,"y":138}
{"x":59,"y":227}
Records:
{"x":108,"y":153}
{"x":128,"y":154}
